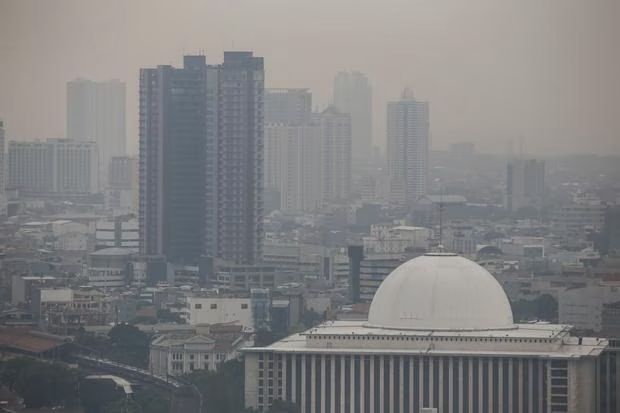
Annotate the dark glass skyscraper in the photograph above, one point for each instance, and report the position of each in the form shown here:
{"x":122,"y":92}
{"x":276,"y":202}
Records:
{"x":240,"y":158}
{"x":201,"y":143}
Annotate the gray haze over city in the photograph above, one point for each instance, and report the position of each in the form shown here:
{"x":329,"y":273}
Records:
{"x":310,"y":206}
{"x":494,"y":71}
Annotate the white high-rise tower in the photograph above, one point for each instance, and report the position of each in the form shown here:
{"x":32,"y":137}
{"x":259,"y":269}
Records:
{"x":407,"y":148}
{"x":96,"y":112}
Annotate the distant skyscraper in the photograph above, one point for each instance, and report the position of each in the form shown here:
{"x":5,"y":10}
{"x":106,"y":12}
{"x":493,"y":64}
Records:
{"x":293,"y":166}
{"x":292,"y":150}
{"x":54,"y":167}
{"x":335,"y":129}
{"x":201,"y":159}
{"x":525,"y":184}
{"x":96,"y":112}
{"x":407,"y":148}
{"x":3,"y":200}
{"x":287,"y":106}
{"x":353,"y":95}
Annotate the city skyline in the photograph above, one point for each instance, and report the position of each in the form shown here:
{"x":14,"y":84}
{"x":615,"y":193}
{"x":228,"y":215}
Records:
{"x":313,"y":206}
{"x":552,"y":75}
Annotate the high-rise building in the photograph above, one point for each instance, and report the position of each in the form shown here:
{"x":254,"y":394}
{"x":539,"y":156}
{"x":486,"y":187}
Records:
{"x":353,"y":95}
{"x":201,"y":159}
{"x":293,"y":165}
{"x":288,"y":106}
{"x":53,"y":167}
{"x":3,"y":199}
{"x":96,"y":112}
{"x":335,"y":129}
{"x":240,"y":153}
{"x":292,"y":150}
{"x":407,"y":148}
{"x":440,"y":337}
{"x":525,"y":184}
{"x":173,"y":152}
{"x":121,"y":193}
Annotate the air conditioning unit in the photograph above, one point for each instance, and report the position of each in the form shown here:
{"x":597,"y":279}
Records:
{"x":428,"y":410}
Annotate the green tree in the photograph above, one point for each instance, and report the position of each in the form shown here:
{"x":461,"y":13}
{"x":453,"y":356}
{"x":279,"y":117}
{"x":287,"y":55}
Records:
{"x":95,"y":395}
{"x":128,"y":345}
{"x":40,"y":384}
{"x":222,"y":391}
{"x":11,"y":370}
{"x":152,"y":401}
{"x":544,"y":307}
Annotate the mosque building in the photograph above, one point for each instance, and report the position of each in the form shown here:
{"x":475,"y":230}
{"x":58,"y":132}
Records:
{"x":440,"y":338}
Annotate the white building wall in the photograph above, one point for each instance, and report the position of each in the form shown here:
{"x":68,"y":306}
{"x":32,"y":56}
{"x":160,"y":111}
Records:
{"x":220,"y":310}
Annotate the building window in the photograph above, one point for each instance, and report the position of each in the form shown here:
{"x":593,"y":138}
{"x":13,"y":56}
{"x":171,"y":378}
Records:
{"x":213,"y":306}
{"x":244,"y":306}
{"x":197,"y":306}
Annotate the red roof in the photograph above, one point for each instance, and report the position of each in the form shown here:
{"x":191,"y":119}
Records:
{"x":28,"y":341}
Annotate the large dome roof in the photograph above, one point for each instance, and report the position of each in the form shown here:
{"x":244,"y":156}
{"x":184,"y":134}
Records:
{"x":440,"y":291}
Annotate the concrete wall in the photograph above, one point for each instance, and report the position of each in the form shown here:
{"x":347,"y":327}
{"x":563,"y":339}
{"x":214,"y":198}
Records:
{"x":251,"y":380}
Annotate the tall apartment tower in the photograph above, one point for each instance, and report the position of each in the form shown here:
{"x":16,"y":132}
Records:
{"x":292,"y":150}
{"x":353,"y":95}
{"x":53,"y":167}
{"x":336,"y":141}
{"x":290,"y":107}
{"x":201,"y":159}
{"x":96,"y":112}
{"x":3,"y":198}
{"x":240,"y":149}
{"x":525,"y":184}
{"x":293,"y":166}
{"x":407,"y":148}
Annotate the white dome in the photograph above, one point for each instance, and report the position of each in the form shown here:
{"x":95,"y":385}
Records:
{"x":440,"y":292}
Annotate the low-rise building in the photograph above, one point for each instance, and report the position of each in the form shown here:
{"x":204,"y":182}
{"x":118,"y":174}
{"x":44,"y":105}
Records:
{"x":65,"y":310}
{"x":182,"y":353}
{"x":110,"y":267}
{"x":121,"y":232}
{"x":591,"y":308}
{"x":220,"y":310}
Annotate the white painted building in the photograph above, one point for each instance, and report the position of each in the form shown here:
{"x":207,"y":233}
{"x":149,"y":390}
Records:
{"x":178,"y":354}
{"x":53,"y":167}
{"x":440,"y":337}
{"x":220,"y":310}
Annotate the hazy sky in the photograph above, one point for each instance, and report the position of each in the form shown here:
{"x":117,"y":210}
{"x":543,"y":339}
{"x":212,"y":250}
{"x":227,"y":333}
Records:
{"x":493,"y":70}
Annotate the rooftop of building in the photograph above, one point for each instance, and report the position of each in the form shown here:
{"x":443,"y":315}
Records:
{"x":441,"y":303}
{"x":24,"y":340}
{"x":114,"y":251}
